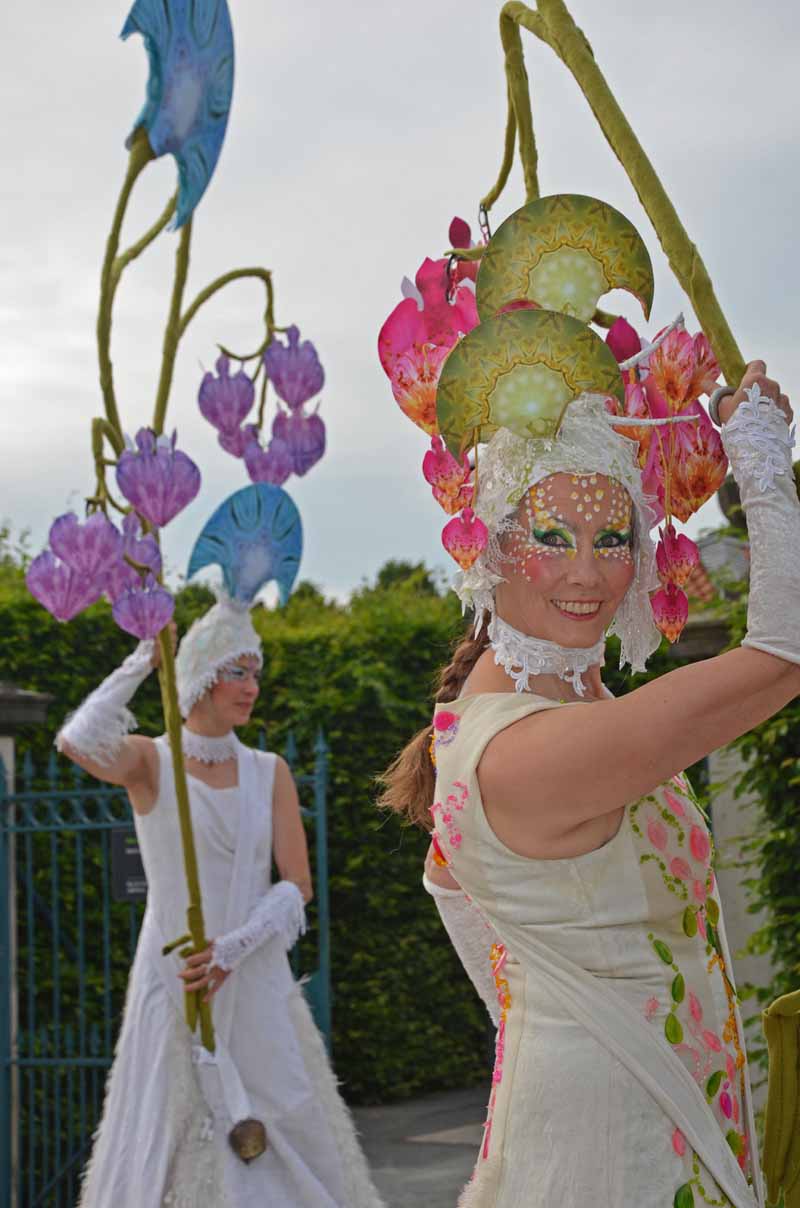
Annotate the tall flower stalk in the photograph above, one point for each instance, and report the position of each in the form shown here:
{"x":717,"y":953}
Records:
{"x":154,"y":479}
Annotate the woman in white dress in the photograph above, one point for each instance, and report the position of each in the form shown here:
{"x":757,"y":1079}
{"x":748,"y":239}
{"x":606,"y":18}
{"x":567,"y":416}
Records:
{"x":571,"y":864}
{"x":170,"y":1106}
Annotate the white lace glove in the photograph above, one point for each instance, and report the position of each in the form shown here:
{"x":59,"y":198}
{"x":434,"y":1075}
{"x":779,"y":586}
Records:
{"x":472,"y":938}
{"x":759,"y":445}
{"x":280,"y":912}
{"x":99,"y":725}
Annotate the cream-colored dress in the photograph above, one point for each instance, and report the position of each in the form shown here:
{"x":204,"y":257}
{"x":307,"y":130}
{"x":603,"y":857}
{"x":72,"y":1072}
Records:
{"x":620,"y":1078}
{"x":162,"y":1142}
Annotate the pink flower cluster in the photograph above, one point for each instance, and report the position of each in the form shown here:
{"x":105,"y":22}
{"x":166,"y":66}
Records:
{"x":682,"y":464}
{"x":438,"y":308}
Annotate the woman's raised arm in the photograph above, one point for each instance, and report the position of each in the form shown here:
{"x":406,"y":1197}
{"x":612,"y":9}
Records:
{"x":549,"y":773}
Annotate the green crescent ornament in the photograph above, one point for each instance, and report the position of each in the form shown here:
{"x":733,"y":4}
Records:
{"x":563,"y":253}
{"x":520,"y":370}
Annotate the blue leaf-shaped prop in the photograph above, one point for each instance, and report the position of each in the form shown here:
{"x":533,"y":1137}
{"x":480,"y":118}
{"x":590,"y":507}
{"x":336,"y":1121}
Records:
{"x":189,"y":45}
{"x":255,"y":536}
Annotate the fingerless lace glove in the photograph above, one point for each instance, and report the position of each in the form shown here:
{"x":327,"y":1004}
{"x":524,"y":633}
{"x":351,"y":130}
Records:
{"x":472,"y":938}
{"x":280,"y":912}
{"x":759,"y":443}
{"x":100,"y":724}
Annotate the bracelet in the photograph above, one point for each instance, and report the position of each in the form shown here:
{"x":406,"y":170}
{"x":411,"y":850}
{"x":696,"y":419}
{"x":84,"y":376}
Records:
{"x":719,"y":394}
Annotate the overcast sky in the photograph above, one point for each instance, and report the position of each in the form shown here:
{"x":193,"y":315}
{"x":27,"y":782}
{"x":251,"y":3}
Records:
{"x":357,"y":131}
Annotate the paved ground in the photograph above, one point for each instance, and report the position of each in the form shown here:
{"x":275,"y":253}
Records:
{"x":422,"y":1152}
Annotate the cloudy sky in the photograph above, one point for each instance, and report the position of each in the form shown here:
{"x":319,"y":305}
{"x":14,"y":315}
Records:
{"x":357,"y":132}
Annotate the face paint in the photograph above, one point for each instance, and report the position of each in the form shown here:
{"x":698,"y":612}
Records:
{"x":239,"y":673}
{"x":555,"y":525}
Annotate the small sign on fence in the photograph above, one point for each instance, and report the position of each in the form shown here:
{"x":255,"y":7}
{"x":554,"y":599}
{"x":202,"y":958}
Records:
{"x":128,"y":882}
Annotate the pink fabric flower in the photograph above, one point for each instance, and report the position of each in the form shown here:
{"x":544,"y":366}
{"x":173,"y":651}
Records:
{"x":465,"y":537}
{"x":657,"y":834}
{"x":679,"y":1142}
{"x":650,"y":1008}
{"x":712,"y":1040}
{"x":670,"y":608}
{"x":695,"y":1009}
{"x":448,"y":478}
{"x":676,"y":556}
{"x":730,"y":1066}
{"x":623,"y":340}
{"x":699,"y":891}
{"x":726,"y":1105}
{"x":443,"y":720}
{"x":699,"y":844}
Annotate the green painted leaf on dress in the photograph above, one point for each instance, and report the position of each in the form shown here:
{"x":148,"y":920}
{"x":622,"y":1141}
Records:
{"x":663,"y":951}
{"x":673,"y":1030}
{"x":713,"y":1084}
{"x":735,"y":1141}
{"x":678,"y":988}
{"x":689,"y":922}
{"x":712,"y":911}
{"x":684,"y":1197}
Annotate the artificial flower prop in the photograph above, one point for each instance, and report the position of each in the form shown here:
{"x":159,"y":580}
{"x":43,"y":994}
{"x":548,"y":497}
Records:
{"x":158,"y":479}
{"x":520,"y":371}
{"x":136,"y":548}
{"x":676,"y":556}
{"x":87,"y":548}
{"x":144,"y":610}
{"x":189,"y":46}
{"x":303,"y":436}
{"x":449,"y":479}
{"x":670,"y":611}
{"x":623,"y":340}
{"x":224,"y":401}
{"x":563,"y":253}
{"x":255,"y":536}
{"x":62,"y":591}
{"x":271,"y":465}
{"x":416,"y":339}
{"x":294,"y":369}
{"x":465,"y":537}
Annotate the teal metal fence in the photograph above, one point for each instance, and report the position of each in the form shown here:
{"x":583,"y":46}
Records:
{"x":69,"y":923}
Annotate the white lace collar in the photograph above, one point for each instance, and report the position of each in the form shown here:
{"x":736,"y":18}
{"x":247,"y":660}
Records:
{"x":521,"y":656}
{"x":209,"y":750}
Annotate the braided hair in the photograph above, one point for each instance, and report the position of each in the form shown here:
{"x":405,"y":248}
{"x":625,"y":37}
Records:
{"x":409,"y":781}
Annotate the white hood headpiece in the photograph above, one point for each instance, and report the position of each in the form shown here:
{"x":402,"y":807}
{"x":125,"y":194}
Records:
{"x":586,"y":443}
{"x":256,"y":537}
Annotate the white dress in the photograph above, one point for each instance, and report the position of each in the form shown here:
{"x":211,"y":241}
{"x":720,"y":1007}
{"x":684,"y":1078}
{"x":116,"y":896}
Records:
{"x":620,"y":1079}
{"x":162,"y":1141}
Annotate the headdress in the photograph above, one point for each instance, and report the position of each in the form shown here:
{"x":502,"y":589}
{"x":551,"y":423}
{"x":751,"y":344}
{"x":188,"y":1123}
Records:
{"x":255,"y":536}
{"x":527,"y":389}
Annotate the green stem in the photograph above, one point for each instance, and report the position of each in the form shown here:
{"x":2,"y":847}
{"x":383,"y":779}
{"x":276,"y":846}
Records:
{"x":508,"y":157}
{"x":520,"y":99}
{"x":195,"y":1007}
{"x":122,"y":261}
{"x":140,"y":155}
{"x":236,"y":274}
{"x":174,"y":328}
{"x":553,"y":24}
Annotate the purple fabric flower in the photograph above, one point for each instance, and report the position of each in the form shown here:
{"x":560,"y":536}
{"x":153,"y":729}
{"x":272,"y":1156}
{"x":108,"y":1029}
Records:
{"x":63,"y":591}
{"x":157,"y":478}
{"x":273,"y":464}
{"x":304,"y":436}
{"x":224,"y":401}
{"x":294,"y":369}
{"x":144,"y":610}
{"x":142,"y":549}
{"x":89,"y":548}
{"x":236,"y":442}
